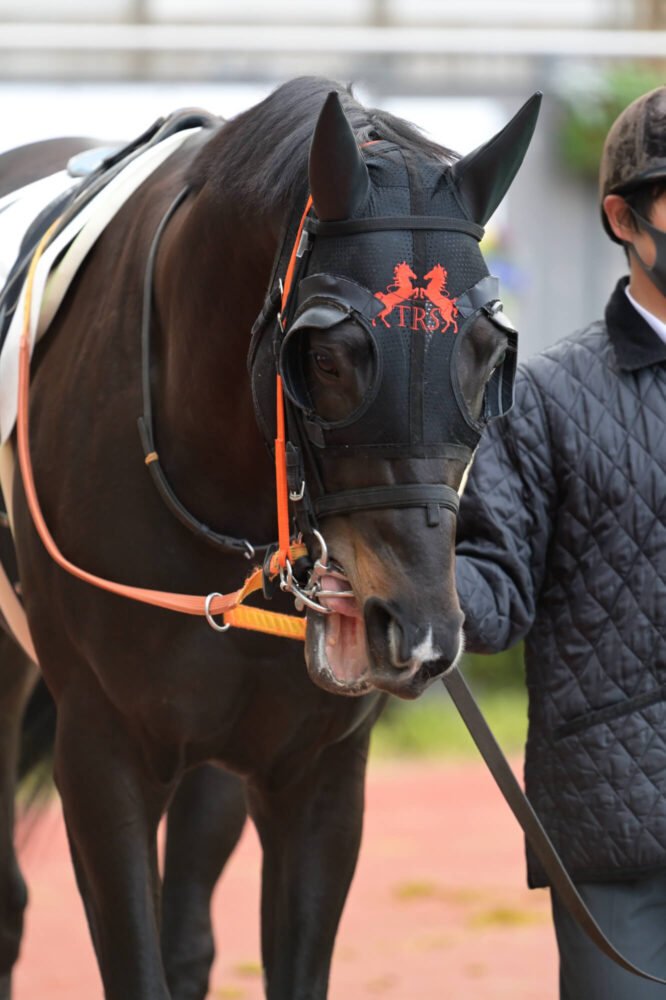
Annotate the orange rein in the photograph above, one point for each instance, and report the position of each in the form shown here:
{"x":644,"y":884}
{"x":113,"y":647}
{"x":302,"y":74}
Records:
{"x":227,"y":605}
{"x":280,"y":446}
{"x":280,"y":443}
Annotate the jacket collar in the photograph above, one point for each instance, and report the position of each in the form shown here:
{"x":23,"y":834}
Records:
{"x":635,"y":342}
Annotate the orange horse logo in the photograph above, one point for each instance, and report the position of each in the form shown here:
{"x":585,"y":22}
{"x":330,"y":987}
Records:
{"x":435,"y":291}
{"x":398,"y":292}
{"x":403,"y":291}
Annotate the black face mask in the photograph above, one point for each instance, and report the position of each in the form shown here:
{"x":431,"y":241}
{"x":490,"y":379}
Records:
{"x":411,"y":283}
{"x":388,"y":260}
{"x":408,"y":398}
{"x":656,"y":273}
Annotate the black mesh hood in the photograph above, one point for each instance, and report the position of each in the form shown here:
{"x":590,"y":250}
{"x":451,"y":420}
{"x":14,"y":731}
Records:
{"x":370,"y":258}
{"x":410,"y":289}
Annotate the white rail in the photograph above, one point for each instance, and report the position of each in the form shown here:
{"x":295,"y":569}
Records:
{"x":287,"y":39}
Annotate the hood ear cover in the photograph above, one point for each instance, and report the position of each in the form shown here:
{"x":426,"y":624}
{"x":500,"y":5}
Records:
{"x":339,"y":179}
{"x":484,"y":176}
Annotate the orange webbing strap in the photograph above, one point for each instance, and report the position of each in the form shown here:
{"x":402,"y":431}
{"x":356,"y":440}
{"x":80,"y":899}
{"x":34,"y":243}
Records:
{"x":221,"y":604}
{"x":288,"y":626}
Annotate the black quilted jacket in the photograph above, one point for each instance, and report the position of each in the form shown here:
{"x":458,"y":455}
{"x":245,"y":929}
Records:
{"x":562,"y":541}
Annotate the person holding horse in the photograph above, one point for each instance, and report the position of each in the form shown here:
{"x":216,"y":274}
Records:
{"x":562,"y":543}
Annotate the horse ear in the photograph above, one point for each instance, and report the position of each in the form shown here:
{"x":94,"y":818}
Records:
{"x":339,"y":179}
{"x":483,"y":176}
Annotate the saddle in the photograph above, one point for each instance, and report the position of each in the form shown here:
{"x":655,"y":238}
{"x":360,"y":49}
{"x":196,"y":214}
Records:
{"x":95,"y":168}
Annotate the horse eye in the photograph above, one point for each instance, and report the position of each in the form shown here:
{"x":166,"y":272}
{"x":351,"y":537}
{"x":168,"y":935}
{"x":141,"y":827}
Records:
{"x":325,"y":363}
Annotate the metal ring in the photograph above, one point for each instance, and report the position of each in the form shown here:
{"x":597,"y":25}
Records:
{"x":286,"y":576}
{"x":209,"y":618}
{"x":322,"y":562}
{"x":289,"y":585}
{"x":249,"y":549}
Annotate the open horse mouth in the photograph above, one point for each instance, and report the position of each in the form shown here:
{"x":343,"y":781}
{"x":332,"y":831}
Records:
{"x":356,"y":648}
{"x":335,"y":650}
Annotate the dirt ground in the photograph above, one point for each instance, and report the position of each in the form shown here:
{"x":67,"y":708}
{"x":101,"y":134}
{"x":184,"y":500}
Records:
{"x":438,"y":909}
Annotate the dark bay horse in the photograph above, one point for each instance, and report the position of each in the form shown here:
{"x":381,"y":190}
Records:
{"x":382,"y":421}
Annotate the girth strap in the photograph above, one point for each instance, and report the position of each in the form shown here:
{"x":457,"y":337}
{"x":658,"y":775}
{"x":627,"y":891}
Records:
{"x":432,"y":496}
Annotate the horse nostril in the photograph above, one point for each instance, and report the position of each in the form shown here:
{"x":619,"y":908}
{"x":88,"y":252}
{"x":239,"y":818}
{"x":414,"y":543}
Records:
{"x":397,"y":640}
{"x":387,"y":633}
{"x":401,"y":649}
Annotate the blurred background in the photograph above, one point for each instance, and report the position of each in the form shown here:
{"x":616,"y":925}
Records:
{"x":457,"y":68}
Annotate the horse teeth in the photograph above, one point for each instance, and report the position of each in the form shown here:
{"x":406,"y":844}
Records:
{"x":333,"y":623}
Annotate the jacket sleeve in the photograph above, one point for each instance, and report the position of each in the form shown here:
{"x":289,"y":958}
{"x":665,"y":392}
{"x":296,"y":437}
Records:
{"x":505,"y":523}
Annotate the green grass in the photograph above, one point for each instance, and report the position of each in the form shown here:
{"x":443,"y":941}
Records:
{"x":431,"y":726}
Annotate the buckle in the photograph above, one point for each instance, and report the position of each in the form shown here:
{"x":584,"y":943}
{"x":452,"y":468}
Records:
{"x":269,"y":586}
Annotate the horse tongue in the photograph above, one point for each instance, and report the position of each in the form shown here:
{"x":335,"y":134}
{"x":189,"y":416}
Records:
{"x":345,"y":647}
{"x":345,"y":632}
{"x":341,"y":605}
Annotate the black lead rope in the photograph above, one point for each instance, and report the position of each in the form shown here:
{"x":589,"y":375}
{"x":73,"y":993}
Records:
{"x":537,"y":837}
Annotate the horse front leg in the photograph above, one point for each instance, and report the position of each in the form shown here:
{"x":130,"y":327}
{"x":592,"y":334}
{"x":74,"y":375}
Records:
{"x":310,"y":832}
{"x":112,"y":802}
{"x":17,"y":677}
{"x":205,"y":821}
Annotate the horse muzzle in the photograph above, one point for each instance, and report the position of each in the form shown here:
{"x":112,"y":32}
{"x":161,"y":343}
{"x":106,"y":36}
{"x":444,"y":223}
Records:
{"x":377,"y":645}
{"x":408,"y":651}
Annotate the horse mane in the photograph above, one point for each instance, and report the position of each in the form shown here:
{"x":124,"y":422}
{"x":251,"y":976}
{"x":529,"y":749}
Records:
{"x":259,"y":158}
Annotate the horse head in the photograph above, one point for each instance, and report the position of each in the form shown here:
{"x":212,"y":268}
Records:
{"x":388,"y":417}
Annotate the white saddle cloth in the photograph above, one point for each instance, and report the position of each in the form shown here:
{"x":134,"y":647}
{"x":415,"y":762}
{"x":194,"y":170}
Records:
{"x":72,"y":245}
{"x":17,"y":211}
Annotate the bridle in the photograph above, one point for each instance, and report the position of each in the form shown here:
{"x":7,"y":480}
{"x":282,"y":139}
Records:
{"x":290,"y":475}
{"x":300,"y":437}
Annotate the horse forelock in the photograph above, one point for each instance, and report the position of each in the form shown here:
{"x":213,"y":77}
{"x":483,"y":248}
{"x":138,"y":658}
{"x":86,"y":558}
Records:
{"x":259,"y":158}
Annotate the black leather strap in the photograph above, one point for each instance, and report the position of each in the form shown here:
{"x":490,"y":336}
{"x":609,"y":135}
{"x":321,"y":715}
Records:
{"x":145,"y":422}
{"x":432,"y":496}
{"x":348,"y":227}
{"x":536,"y":835}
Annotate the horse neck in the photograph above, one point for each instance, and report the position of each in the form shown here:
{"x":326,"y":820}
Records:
{"x":211,"y":276}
